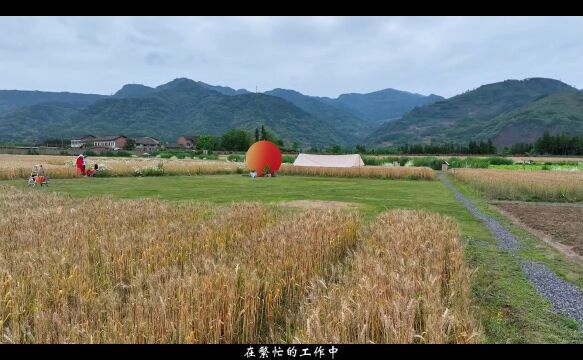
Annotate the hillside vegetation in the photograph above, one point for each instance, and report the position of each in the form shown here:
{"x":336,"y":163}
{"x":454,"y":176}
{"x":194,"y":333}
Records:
{"x":466,"y":116}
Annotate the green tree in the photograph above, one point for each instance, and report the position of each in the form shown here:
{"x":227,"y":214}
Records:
{"x":335,"y":149}
{"x":236,"y":140}
{"x":544,"y":144}
{"x":269,"y":136}
{"x":361,"y":149}
{"x":256,"y":134}
{"x":130,"y":144}
{"x":208,"y":142}
{"x":491,"y":147}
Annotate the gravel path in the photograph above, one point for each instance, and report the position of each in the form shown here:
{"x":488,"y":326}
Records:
{"x":565,"y":297}
{"x":506,"y":240}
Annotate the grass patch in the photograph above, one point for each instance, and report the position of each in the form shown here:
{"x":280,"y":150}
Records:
{"x":376,"y":195}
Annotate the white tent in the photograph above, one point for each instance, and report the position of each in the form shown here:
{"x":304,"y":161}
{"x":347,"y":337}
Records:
{"x":352,"y":160}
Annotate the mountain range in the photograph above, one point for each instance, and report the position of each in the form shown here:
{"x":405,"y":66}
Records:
{"x":507,"y":112}
{"x":184,"y":106}
{"x":503,"y":112}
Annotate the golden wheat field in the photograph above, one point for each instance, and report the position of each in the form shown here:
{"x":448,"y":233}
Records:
{"x":525,"y":185}
{"x":543,"y":159}
{"x":19,"y":167}
{"x":148,"y":271}
{"x":413,"y":173}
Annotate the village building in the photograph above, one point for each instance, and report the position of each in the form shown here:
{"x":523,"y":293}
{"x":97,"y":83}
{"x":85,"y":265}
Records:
{"x":114,"y":142}
{"x":187,"y":141}
{"x":147,"y":144}
{"x":82,"y":141}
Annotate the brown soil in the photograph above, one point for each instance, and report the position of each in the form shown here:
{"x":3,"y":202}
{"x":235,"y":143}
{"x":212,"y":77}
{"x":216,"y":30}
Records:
{"x":319,"y":204}
{"x":560,"y":225}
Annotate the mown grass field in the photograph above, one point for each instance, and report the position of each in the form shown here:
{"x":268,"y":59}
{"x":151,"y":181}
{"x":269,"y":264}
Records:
{"x":506,"y":305}
{"x":374,"y":195}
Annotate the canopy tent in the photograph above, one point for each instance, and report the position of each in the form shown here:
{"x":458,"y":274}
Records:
{"x":352,"y":160}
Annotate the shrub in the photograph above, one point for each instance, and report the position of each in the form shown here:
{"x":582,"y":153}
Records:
{"x":157,"y":170}
{"x":236,"y":157}
{"x":431,"y":162}
{"x":380,"y":161}
{"x":288,"y":159}
{"x":123,"y":153}
{"x":103,"y":173}
{"x":372,"y":161}
{"x":208,"y":157}
{"x":500,"y":161}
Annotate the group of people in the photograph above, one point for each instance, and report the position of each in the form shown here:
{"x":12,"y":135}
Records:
{"x":37,"y":176}
{"x":266,"y":173}
{"x":81,"y":167}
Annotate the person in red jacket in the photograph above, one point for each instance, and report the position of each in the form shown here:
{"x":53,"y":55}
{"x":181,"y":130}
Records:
{"x":80,"y":165}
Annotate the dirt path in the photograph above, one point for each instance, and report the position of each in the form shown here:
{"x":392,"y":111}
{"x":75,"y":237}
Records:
{"x":566,"y":298}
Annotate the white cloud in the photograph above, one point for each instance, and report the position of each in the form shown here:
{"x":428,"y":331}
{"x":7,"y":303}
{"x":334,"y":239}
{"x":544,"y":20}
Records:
{"x":322,"y":56}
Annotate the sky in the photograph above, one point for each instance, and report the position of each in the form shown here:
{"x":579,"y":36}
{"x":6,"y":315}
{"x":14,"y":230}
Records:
{"x":321,"y":56}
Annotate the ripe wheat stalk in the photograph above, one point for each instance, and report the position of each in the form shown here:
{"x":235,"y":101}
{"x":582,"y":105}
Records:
{"x":525,"y":185}
{"x":102,"y":270}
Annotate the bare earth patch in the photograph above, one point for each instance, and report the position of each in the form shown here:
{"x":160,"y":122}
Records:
{"x":560,"y":225}
{"x":319,"y":204}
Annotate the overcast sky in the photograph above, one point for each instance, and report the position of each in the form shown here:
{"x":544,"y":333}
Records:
{"x":323,"y":56}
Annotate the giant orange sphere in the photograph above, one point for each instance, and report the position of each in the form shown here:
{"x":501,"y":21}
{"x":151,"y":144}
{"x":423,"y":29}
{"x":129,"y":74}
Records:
{"x":262,"y":154}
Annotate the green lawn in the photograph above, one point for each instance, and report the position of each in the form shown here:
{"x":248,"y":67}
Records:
{"x":508,"y":306}
{"x":375,"y":195}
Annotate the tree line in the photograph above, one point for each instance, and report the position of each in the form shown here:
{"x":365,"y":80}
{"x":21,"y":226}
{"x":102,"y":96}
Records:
{"x":471,"y":148}
{"x":240,"y":140}
{"x":237,"y":140}
{"x":232,"y":140}
{"x":548,"y":144}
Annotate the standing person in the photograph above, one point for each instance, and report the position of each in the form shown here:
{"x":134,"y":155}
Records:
{"x":80,"y":165}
